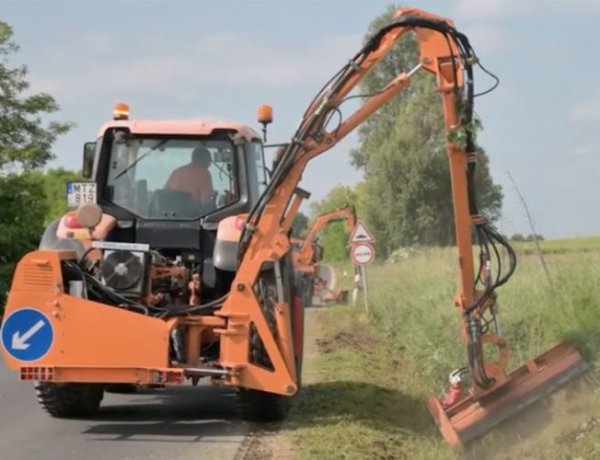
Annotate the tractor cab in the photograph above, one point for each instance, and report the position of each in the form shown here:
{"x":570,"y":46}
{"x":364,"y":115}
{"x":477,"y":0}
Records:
{"x":167,"y":185}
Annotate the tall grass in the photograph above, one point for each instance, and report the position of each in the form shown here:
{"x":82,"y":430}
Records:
{"x":367,"y":382}
{"x":413,"y":304}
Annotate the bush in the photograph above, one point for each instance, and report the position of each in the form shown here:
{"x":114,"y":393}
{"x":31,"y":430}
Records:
{"x":24,"y":207}
{"x":6,"y":273}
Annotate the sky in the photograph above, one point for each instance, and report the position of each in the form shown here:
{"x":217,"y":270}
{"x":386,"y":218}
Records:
{"x":222,"y":59}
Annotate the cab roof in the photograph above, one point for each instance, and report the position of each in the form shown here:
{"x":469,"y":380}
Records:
{"x":179,"y":127}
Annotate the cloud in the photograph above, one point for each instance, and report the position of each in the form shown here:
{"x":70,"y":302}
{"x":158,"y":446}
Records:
{"x":484,"y":22}
{"x":99,"y":67}
{"x":488,"y":38}
{"x":582,"y":150}
{"x":586,"y":110}
{"x":492,"y":9}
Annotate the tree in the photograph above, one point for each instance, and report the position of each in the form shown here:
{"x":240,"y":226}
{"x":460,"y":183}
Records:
{"x":25,"y":143}
{"x":517,"y":237}
{"x":54,"y":183}
{"x":402,"y":151}
{"x":533,"y":237}
{"x":20,"y":198}
{"x":300,"y":224}
{"x":23,"y":211}
{"x":24,"y":140}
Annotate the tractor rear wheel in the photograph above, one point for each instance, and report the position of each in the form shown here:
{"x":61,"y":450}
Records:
{"x":69,"y":399}
{"x":263,"y":407}
{"x":256,"y":405}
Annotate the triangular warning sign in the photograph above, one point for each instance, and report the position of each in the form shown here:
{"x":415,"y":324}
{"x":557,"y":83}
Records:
{"x":360,"y":234}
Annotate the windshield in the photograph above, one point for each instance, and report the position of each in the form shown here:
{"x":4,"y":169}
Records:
{"x":166,"y":178}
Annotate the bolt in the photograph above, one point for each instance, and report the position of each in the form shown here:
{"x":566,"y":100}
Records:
{"x":240,"y":287}
{"x":289,"y":389}
{"x":426,"y":61}
{"x":55,"y":314}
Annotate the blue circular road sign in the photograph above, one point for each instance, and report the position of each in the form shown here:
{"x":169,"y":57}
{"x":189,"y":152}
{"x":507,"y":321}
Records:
{"x":27,"y":334}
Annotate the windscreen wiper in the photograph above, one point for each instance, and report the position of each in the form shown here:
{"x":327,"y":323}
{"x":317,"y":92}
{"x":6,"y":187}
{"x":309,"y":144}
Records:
{"x":160,"y":144}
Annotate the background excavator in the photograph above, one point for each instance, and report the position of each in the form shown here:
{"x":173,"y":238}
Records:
{"x":317,"y":281}
{"x":73,"y":329}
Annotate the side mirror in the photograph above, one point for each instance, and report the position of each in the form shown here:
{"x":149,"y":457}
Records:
{"x":89,"y":152}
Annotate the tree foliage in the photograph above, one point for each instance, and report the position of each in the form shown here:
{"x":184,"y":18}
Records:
{"x":25,"y":140}
{"x":20,"y":199}
{"x":300,"y":224}
{"x":54,"y":182}
{"x":517,"y":237}
{"x":25,"y":143}
{"x":402,"y":151}
{"x":24,"y":209}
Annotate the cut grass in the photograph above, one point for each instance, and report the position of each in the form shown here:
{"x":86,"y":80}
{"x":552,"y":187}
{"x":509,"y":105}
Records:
{"x":361,"y":400}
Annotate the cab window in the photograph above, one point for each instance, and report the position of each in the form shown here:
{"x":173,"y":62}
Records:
{"x":171,"y":178}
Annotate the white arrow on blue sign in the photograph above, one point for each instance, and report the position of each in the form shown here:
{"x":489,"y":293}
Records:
{"x":27,"y":334}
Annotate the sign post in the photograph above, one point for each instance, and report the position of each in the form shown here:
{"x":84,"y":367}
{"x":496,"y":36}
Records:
{"x":363,"y":254}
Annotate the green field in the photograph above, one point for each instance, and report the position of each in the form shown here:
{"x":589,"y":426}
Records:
{"x":370,"y":378}
{"x":586,"y":244}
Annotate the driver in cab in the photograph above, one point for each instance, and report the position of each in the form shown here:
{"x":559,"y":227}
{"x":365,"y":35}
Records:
{"x":194,"y":178}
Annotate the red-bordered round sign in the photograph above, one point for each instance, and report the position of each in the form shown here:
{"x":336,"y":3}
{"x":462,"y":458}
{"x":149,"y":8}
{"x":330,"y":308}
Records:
{"x":362,"y":253}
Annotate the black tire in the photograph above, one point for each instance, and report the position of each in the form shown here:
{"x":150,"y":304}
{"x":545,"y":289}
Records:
{"x":260,"y":406}
{"x":304,"y":286}
{"x":69,"y":399}
{"x":309,"y":290}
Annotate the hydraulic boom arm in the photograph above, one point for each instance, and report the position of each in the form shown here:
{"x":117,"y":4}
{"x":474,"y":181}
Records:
{"x":347,"y":213}
{"x":447,"y":54}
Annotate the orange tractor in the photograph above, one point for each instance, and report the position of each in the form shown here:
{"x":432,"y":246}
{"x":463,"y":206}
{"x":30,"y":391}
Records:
{"x":316,"y":280}
{"x":160,"y":288}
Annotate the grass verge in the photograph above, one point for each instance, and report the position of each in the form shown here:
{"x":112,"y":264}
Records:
{"x":360,"y":400}
{"x":412,"y":305}
{"x":366,"y":382}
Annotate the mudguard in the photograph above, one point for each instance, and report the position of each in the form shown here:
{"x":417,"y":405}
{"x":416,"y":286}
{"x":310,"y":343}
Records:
{"x":229,"y":233}
{"x":58,"y":236}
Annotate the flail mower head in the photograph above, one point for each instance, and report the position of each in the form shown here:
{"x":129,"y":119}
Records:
{"x":463,"y":418}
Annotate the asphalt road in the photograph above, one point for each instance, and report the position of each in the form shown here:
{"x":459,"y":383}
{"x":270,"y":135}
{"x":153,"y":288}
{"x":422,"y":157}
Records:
{"x":178,"y":424}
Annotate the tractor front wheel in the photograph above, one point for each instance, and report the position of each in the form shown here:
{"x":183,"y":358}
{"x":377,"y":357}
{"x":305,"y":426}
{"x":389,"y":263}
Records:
{"x":256,"y":405}
{"x":69,"y":399}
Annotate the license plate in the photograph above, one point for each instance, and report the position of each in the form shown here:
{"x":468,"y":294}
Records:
{"x":79,"y":193}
